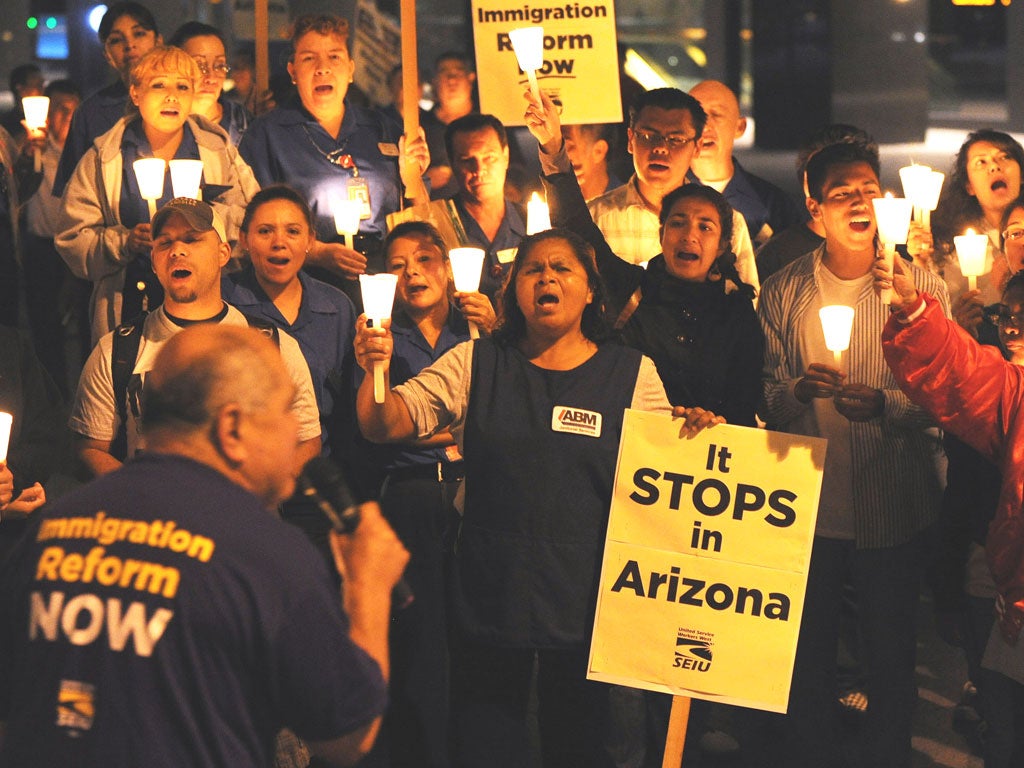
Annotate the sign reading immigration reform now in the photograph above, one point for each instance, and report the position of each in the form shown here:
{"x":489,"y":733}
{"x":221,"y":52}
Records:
{"x":705,"y":562}
{"x":580,"y":71}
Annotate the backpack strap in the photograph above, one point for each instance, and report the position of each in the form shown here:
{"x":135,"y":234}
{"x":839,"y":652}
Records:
{"x":124,"y":353}
{"x":265,"y":327}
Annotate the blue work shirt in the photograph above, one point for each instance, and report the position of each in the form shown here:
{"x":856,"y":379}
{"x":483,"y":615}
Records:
{"x":324,"y":329}
{"x":411,"y":355}
{"x":94,"y":117}
{"x":501,"y":250}
{"x":760,"y":203}
{"x":234,"y":119}
{"x":288,"y":145}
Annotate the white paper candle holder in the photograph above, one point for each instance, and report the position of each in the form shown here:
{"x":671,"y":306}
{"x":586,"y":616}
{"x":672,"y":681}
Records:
{"x":837,"y":325}
{"x":346,"y":218}
{"x":150,"y":173}
{"x":528,"y":45}
{"x":378,"y":292}
{"x":538,"y":216}
{"x":186,"y":176}
{"x":971,"y":252}
{"x":892,"y":217}
{"x":467,"y":267}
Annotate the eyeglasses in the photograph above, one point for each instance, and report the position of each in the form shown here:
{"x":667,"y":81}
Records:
{"x":220,"y":68}
{"x":653,"y":140}
{"x":1013,"y":233}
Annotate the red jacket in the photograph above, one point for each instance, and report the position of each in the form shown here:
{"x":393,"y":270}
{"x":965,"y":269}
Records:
{"x":978,"y":396}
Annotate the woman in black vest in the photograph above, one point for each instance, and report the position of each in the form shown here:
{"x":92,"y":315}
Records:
{"x":537,"y":493}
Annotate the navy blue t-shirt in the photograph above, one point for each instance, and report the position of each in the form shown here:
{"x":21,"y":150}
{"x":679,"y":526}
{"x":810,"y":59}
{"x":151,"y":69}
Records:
{"x":161,"y":617}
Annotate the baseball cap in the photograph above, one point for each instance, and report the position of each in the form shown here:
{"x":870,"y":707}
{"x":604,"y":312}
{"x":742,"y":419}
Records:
{"x":199,"y":215}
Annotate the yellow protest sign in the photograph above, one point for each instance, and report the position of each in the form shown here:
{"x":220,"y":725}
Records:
{"x":581,"y":67}
{"x":705,"y":562}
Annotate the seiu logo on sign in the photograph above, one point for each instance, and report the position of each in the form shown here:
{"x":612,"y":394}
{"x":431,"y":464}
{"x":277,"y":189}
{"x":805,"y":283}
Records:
{"x":692,"y":653}
{"x":576,"y":421}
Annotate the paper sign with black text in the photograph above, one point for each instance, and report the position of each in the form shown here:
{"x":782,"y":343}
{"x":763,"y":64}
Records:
{"x":705,"y":562}
{"x":581,"y":66}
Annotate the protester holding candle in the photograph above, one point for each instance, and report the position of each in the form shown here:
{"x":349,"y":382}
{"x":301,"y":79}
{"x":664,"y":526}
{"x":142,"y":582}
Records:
{"x":536,"y":497}
{"x":975,"y":394}
{"x":105,"y":233}
{"x":985,"y":179}
{"x":422,"y":479}
{"x":324,"y":145}
{"x":688,"y":310}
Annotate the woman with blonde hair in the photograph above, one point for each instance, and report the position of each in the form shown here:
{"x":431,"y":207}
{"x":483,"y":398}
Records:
{"x":105,"y":235}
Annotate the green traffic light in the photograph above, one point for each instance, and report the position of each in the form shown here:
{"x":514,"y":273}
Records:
{"x":32,"y":22}
{"x":51,"y":23}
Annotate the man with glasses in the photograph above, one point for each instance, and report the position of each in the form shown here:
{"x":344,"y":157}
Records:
{"x":665,"y":127}
{"x":127,"y":32}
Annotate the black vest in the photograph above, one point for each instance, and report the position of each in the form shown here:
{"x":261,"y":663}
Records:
{"x":528,"y":555}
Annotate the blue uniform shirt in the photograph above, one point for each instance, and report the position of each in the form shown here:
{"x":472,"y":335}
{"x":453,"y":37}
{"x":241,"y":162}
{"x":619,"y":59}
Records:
{"x":94,"y":117}
{"x":287,"y":145}
{"x":500,"y":251}
{"x":411,"y":355}
{"x":324,"y":329}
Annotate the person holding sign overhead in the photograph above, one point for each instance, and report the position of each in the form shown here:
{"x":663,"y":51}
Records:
{"x":328,"y":148}
{"x":536,"y":410}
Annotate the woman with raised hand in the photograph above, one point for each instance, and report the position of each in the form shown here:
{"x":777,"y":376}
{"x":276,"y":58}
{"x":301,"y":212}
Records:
{"x":527,"y":553}
{"x":688,"y":310}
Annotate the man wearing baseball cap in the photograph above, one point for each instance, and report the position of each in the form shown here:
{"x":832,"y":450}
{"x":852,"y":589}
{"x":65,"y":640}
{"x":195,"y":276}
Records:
{"x":189,"y":250}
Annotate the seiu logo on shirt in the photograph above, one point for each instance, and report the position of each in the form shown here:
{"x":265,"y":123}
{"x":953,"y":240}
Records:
{"x":576,"y":421}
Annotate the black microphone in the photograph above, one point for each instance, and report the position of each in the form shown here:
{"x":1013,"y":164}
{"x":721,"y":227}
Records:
{"x":324,"y":484}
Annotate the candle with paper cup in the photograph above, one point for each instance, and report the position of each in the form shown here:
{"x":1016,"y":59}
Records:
{"x":346,"y":219}
{"x":528,"y":45}
{"x":6,"y":421}
{"x":971,"y":252}
{"x":378,"y":293}
{"x":892,"y":217}
{"x":837,"y":324}
{"x":186,"y":175}
{"x":150,"y":174}
{"x":467,"y":265}
{"x":922,"y":186}
{"x":538,"y":217}
{"x":36,"y":109}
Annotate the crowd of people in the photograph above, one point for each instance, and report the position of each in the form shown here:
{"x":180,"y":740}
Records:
{"x":180,"y":605}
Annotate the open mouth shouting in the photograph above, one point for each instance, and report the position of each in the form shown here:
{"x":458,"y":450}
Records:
{"x":860,"y":223}
{"x":548,"y":300}
{"x":323,"y":89}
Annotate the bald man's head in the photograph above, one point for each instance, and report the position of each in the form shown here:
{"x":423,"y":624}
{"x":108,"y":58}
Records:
{"x":724,"y":126}
{"x":222,"y":395}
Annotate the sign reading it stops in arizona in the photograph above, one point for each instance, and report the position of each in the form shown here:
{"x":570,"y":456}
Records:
{"x":705,"y":562}
{"x":581,"y":65}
